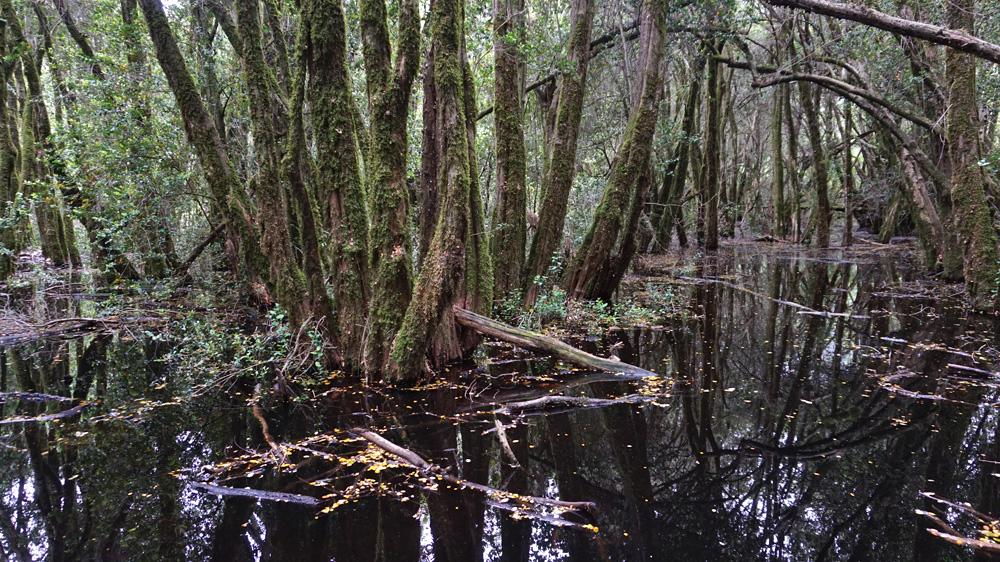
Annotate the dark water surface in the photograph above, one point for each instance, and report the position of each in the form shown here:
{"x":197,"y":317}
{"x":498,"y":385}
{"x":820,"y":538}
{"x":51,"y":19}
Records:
{"x":777,"y":433}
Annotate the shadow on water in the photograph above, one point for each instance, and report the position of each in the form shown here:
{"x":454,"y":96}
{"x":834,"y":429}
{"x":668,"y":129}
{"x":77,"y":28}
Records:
{"x":808,"y":402}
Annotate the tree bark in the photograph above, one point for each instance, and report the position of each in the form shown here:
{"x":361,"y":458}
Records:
{"x":971,"y":215}
{"x":713,"y":124}
{"x":509,"y":226}
{"x":337,"y":179}
{"x":958,"y":39}
{"x":455,"y":271}
{"x":389,"y":91}
{"x":609,"y":242}
{"x":778,"y":168}
{"x":821,"y":211}
{"x":561,"y":170}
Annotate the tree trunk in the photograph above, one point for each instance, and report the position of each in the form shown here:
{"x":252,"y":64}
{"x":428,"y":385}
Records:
{"x":712,"y":156}
{"x":385,"y":172}
{"x":670,"y":214}
{"x":848,"y":175}
{"x":338,"y":181}
{"x":561,"y":169}
{"x":778,"y":167}
{"x":821,"y":211}
{"x":970,"y":212}
{"x":9,"y":222}
{"x":605,"y":249}
{"x":54,"y":225}
{"x":453,"y":273}
{"x":509,"y":225}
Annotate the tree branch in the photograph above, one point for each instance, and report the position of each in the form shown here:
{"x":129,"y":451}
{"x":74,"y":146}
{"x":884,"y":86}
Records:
{"x":956,"y":39}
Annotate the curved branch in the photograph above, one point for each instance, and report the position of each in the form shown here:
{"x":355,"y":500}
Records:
{"x":782,"y":76}
{"x":954,"y":38}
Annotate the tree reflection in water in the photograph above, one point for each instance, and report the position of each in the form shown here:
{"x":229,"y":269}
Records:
{"x":780,"y":434}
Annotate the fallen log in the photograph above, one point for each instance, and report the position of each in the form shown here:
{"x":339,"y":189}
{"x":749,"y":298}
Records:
{"x":548,"y":344}
{"x":32,"y":397}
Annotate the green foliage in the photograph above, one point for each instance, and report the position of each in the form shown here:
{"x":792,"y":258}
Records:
{"x":216,"y":351}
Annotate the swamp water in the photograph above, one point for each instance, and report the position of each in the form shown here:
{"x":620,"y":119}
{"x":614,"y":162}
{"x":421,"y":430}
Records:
{"x":808,"y":401}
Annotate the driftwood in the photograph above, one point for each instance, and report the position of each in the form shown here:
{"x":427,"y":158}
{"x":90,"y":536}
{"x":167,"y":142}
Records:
{"x":264,"y":495}
{"x":500,"y":498}
{"x":540,"y":342}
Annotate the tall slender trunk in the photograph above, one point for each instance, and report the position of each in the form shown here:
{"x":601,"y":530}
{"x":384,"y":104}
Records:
{"x":848,"y":175}
{"x":712,"y":185}
{"x":9,"y":233}
{"x":385,"y":173}
{"x":561,"y":168}
{"x":509,"y":226}
{"x":970,"y":211}
{"x":54,"y":225}
{"x":778,"y":166}
{"x":338,"y":181}
{"x":609,"y":243}
{"x":821,"y":210}
{"x":670,"y":213}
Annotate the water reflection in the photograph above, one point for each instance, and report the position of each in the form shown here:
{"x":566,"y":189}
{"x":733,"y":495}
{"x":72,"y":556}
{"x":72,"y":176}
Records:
{"x":810,"y":401}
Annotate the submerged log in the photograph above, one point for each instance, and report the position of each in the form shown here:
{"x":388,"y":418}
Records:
{"x":503,"y":499}
{"x":540,"y":342}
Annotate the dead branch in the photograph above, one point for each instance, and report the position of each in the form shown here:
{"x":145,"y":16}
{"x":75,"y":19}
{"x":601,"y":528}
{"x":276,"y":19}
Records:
{"x":67,"y":413}
{"x":540,"y":342}
{"x":32,"y":397}
{"x":502,"y":498}
{"x":569,"y":402}
{"x":264,"y":495}
{"x":956,"y":39}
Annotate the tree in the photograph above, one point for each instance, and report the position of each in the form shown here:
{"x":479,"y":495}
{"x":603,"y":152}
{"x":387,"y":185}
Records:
{"x":388,"y":106}
{"x":509,"y":225}
{"x":456,"y":271}
{"x":970,"y":213}
{"x":561,"y":167}
{"x":609,"y":245}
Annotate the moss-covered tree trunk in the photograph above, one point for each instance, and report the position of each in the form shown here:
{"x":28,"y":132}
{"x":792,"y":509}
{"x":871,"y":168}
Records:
{"x":389,"y":86}
{"x":429,"y":158}
{"x":456,"y":268}
{"x":10,"y":223}
{"x":201,"y":132}
{"x":509,"y":226}
{"x":337,"y":180}
{"x":287,"y":279}
{"x":55,"y":227}
{"x":606,"y":248}
{"x":821,"y":210}
{"x":713,"y":123}
{"x":779,"y":209}
{"x":970,"y":212}
{"x":668,"y":215}
{"x":561,"y":167}
{"x":848,"y":175}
